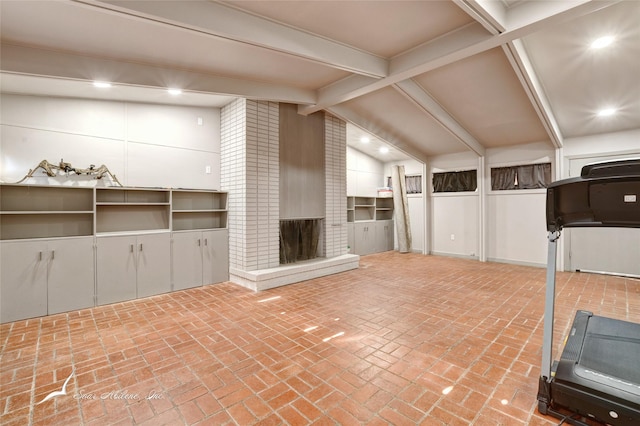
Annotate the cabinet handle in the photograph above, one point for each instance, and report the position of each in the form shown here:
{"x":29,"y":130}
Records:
{"x":131,"y":248}
{"x":140,"y":246}
{"x":205,"y":241}
{"x":53,"y":254}
{"x":40,"y":256}
{"x":199,"y":244}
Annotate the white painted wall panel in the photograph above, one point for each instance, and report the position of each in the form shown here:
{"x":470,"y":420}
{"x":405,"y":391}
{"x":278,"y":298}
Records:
{"x":516,"y":227}
{"x":142,"y":144}
{"x":455,"y":215}
{"x":102,"y":119}
{"x":152,"y":165}
{"x":364,"y":174}
{"x":175,"y":126}
{"x":416,"y":217}
{"x":22,"y":149}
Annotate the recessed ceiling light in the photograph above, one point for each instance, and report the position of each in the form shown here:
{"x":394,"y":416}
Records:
{"x":606,"y":112}
{"x":102,"y":84}
{"x":384,"y":150}
{"x":174,"y":92}
{"x":601,"y":42}
{"x":365,"y":139}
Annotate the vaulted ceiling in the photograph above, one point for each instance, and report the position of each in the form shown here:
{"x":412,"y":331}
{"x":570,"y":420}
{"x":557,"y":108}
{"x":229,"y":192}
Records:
{"x":428,"y":77}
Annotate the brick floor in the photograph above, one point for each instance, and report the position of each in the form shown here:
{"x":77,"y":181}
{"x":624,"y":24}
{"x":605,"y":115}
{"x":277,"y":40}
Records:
{"x":405,"y":339}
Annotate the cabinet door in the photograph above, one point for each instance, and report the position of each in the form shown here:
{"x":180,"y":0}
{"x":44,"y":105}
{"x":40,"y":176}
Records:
{"x":116,"y":269}
{"x":384,"y":235}
{"x":187,"y":259}
{"x":154,"y":264}
{"x":364,"y":235}
{"x":23,"y":280}
{"x":71,"y":274}
{"x":215,"y":256}
{"x":351,"y":239}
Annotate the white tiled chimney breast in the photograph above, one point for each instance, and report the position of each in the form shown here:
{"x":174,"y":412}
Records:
{"x":250,"y":173}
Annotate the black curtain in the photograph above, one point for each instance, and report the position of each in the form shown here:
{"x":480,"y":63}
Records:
{"x":528,"y":176}
{"x":503,"y":178}
{"x":299,"y":239}
{"x":534,"y":176}
{"x":455,"y":181}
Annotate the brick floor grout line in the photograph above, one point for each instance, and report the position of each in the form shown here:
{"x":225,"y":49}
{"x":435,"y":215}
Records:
{"x":35,"y":365}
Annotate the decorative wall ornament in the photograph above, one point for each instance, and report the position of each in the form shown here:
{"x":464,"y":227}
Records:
{"x":52,"y":170}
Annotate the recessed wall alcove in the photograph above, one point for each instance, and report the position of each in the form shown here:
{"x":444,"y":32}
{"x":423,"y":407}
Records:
{"x":280,"y":166}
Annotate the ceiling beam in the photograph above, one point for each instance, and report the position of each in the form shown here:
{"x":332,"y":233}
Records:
{"x":41,"y":62}
{"x":457,"y":45}
{"x":425,"y":102}
{"x":494,"y":16}
{"x":348,"y":115}
{"x":521,"y":64}
{"x":220,"y":20}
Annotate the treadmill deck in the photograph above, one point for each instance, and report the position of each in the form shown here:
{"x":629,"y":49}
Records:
{"x":598,"y":374}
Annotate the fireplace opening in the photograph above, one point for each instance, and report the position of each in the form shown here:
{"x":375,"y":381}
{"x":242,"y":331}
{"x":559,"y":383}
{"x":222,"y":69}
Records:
{"x":299,"y":239}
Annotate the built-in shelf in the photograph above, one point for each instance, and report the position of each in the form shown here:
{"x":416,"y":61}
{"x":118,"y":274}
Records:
{"x":369,"y":224}
{"x":132,"y":209}
{"x":32,"y":211}
{"x":193,"y":209}
{"x":369,"y":208}
{"x":45,"y":212}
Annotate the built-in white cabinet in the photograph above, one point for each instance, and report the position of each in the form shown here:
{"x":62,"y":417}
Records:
{"x":365,"y":237}
{"x":384,"y":235}
{"x":132,"y":266}
{"x":44,"y":277}
{"x":65,"y":248}
{"x":369,"y":224}
{"x":200,"y":238}
{"x":200,"y":258}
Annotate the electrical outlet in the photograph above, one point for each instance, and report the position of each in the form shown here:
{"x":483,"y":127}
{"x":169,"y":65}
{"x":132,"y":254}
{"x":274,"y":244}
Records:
{"x":207,"y":170}
{"x":453,"y":237}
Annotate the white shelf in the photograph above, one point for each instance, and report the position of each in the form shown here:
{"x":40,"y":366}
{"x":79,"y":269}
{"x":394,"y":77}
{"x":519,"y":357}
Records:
{"x":40,"y":211}
{"x":198,"y":210}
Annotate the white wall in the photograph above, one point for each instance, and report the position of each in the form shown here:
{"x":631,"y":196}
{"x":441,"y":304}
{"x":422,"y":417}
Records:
{"x":142,"y":144}
{"x":455,"y":225}
{"x":619,"y":144}
{"x":515,"y":220}
{"x":365,"y":174}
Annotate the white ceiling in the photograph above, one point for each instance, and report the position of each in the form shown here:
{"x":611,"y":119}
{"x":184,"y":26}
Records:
{"x":426,"y":77}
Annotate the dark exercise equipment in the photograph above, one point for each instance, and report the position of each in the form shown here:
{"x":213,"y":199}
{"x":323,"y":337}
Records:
{"x":598,"y":374}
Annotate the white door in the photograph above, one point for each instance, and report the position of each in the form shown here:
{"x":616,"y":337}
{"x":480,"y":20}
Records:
{"x":187,"y":259}
{"x":71,"y":278}
{"x":215,"y":256}
{"x":116,"y":269}
{"x":154,"y":264}
{"x":23,"y":280}
{"x":610,"y":250}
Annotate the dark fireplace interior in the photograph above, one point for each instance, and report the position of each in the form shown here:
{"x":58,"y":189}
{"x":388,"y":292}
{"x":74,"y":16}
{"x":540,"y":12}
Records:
{"x":299,"y":239}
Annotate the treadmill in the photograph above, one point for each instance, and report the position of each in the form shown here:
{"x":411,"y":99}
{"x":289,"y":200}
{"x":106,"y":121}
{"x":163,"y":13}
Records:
{"x":597,"y":378}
